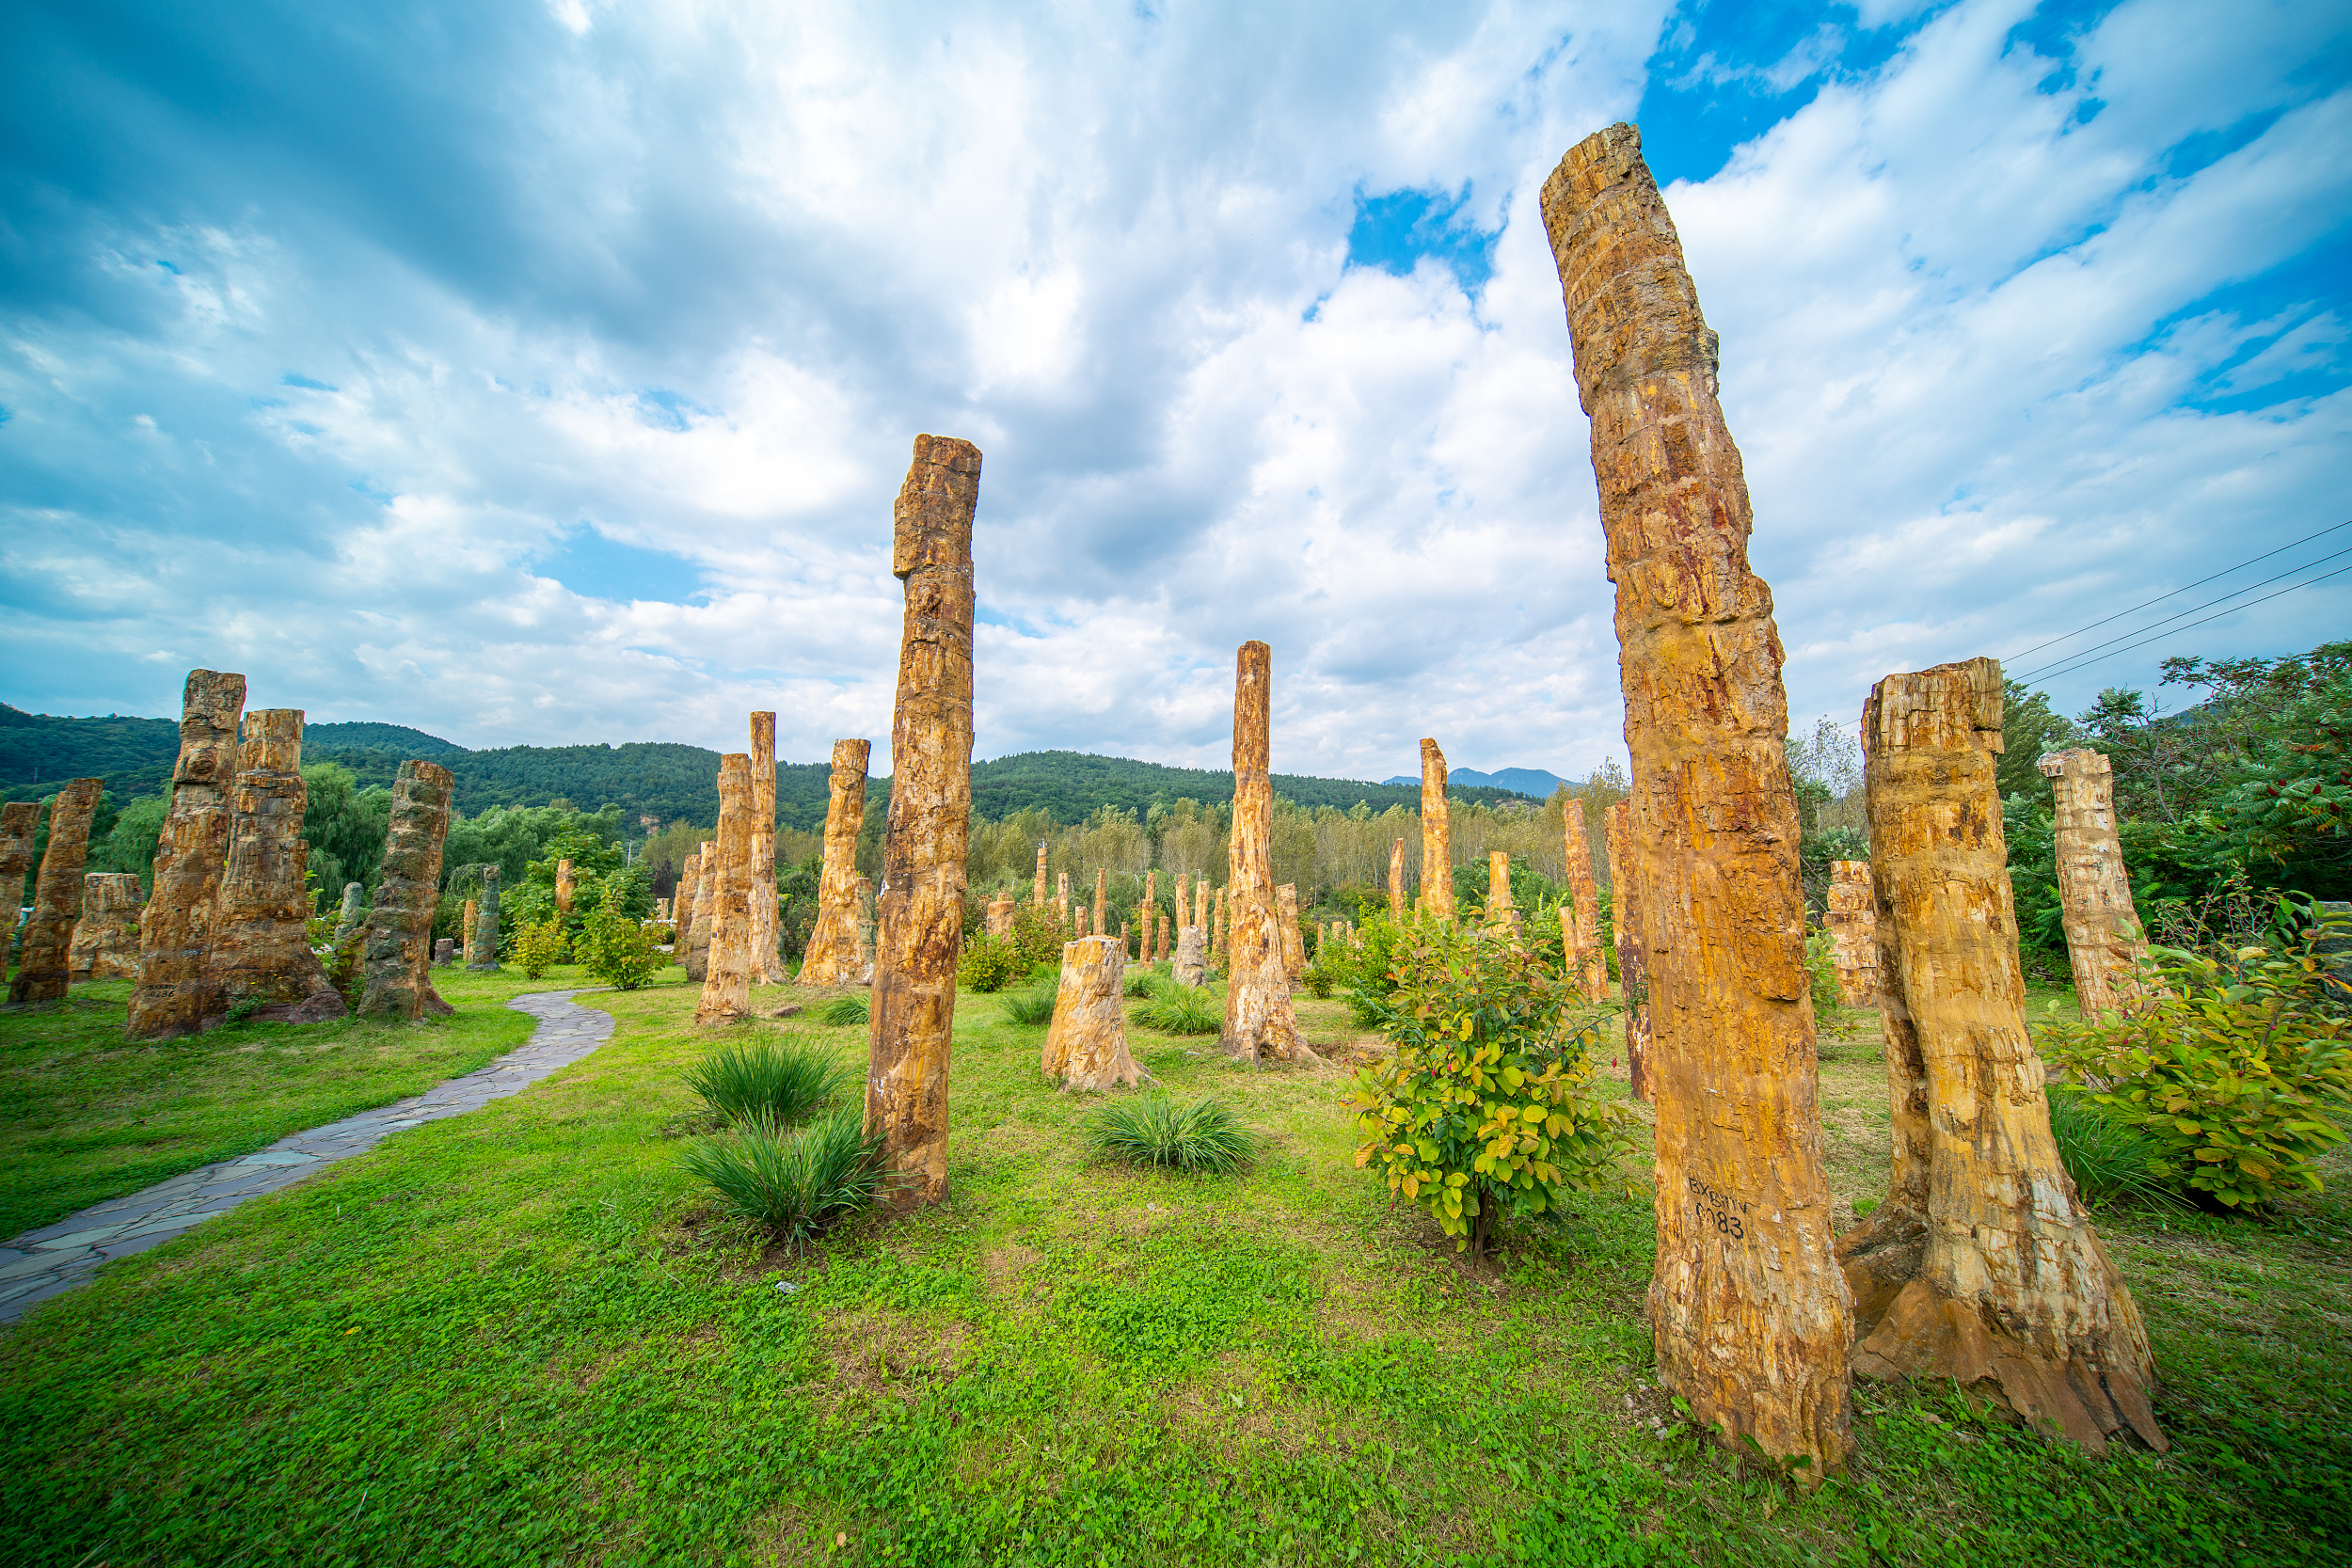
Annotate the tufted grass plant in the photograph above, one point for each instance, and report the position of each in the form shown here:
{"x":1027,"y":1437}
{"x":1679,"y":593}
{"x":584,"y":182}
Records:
{"x":1152,"y":1130}
{"x":1181,"y":1010}
{"x":845,"y":1010}
{"x":795,"y":1184}
{"x":774,"y":1085}
{"x":2108,"y":1159}
{"x":1033,"y":1007}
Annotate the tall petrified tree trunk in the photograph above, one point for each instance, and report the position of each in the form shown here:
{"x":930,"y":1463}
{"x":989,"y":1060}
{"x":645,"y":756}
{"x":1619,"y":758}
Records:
{"x":1584,"y":962}
{"x":832,"y":958}
{"x":468,"y":922}
{"x":1982,"y":1265}
{"x":262,"y":940}
{"x":1061,"y":898}
{"x":1501,"y":911}
{"x":760,"y":886}
{"x":1037,"y":894}
{"x":1260,"y":1022}
{"x":682,"y":907}
{"x":486,"y":925}
{"x":727,"y":973}
{"x":1849,"y":915}
{"x":1396,"y":878}
{"x":1101,"y":908}
{"x":105,"y":941}
{"x":1086,"y":1045}
{"x":567,"y":886}
{"x":706,"y":900}
{"x":1437,"y":848}
{"x":919,"y":935}
{"x":2104,"y":943}
{"x":19,"y":823}
{"x":41,"y":967}
{"x":1625,"y":905}
{"x":1217,"y":930}
{"x":397,"y":952}
{"x":1749,"y":1313}
{"x":176,"y":991}
{"x":1294,"y":948}
{"x":353,"y":910}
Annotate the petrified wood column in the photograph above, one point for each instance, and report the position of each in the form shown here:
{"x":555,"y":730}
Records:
{"x":1749,"y":1314}
{"x":1293,"y":947}
{"x":1000,"y":917}
{"x":567,"y":886}
{"x":465,"y":928}
{"x":1086,"y":1045}
{"x":2104,"y":943}
{"x":832,"y":958}
{"x":1190,"y":966}
{"x":864,"y":974}
{"x":1216,"y":931}
{"x":1260,"y":1022}
{"x":1200,"y":902}
{"x":260,"y":942}
{"x":1102,"y":908}
{"x":920,"y":932}
{"x":1849,"y":915}
{"x":1625,"y":905}
{"x":1501,"y":911}
{"x":682,"y":908}
{"x":760,"y":883}
{"x":20,"y":822}
{"x":1396,"y":878}
{"x":1981,"y":1264}
{"x":41,"y":973}
{"x":352,"y":911}
{"x":485,"y":923}
{"x":105,"y":941}
{"x":1586,"y":965}
{"x":705,"y":899}
{"x":1437,"y":848}
{"x":1037,"y":894}
{"x":398,"y":945}
{"x":176,"y":991}
{"x":1061,"y":898}
{"x":727,"y":971}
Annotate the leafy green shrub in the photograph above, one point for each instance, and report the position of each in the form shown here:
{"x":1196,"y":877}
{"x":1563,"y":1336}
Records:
{"x":1821,"y":974}
{"x":797,"y":1183}
{"x":1032,"y":1007}
{"x":2238,"y":1070}
{"x":1152,"y":1130}
{"x":539,"y":947}
{"x":989,"y":963}
{"x":841,"y":1011}
{"x":776,"y":1085}
{"x":1181,"y":1010}
{"x":618,"y":949}
{"x":1320,"y":977}
{"x":1039,"y":935}
{"x":2108,"y":1158}
{"x":1483,"y":1112}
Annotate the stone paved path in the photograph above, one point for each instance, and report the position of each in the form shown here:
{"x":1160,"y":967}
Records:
{"x":39,"y":1263}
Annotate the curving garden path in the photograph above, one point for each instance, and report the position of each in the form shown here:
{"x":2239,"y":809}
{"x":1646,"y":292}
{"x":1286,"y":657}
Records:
{"x":40,"y":1263}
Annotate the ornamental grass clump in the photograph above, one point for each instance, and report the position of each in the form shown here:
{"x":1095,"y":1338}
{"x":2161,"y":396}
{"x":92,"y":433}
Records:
{"x":1175,"y":1009}
{"x":1152,"y":1130}
{"x":795,"y":1184}
{"x":1030,"y":1008}
{"x":768,"y":1085}
{"x":2110,"y":1160}
{"x":845,"y":1010}
{"x":2239,"y":1069}
{"x":1484,"y":1112}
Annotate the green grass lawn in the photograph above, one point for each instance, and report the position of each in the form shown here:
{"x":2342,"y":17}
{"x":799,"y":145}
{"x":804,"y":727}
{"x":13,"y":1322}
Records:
{"x":523,"y":1335}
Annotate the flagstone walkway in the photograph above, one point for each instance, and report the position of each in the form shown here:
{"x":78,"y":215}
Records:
{"x":40,"y":1263}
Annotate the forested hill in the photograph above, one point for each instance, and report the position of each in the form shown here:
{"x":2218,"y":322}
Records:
{"x":657,"y":779}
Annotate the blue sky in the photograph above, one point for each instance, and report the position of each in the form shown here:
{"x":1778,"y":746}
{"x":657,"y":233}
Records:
{"x":544,"y":372}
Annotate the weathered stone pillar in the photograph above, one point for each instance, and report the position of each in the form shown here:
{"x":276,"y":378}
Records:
{"x":832,"y":958}
{"x":1981,"y":1264}
{"x":1167,"y":951}
{"x":19,"y":823}
{"x":1000,"y":917}
{"x":486,"y":925}
{"x":176,"y":989}
{"x":1101,"y":905}
{"x":1625,"y":907}
{"x":2104,"y":945}
{"x":105,"y":941}
{"x":1586,"y":964}
{"x":566,"y":885}
{"x":399,"y":942}
{"x":921,"y":924}
{"x":1086,"y":1045}
{"x":706,"y":900}
{"x":261,"y":942}
{"x":760,"y":889}
{"x":1849,"y":915}
{"x":1037,"y":894}
{"x":1150,"y":893}
{"x":1436,"y":833}
{"x":1501,"y":911}
{"x":1396,"y":880}
{"x":444,"y":951}
{"x":1190,"y":965}
{"x":1061,"y":898}
{"x":1078,"y":920}
{"x":1260,"y":1022}
{"x":1293,"y":946}
{"x":726,"y":996}
{"x":352,"y":912}
{"x":1200,"y":902}
{"x":1749,"y":1313}
{"x":1216,"y":931}
{"x":42,"y":972}
{"x":1124,"y":945}
{"x":682,"y":909}
{"x":465,"y":928}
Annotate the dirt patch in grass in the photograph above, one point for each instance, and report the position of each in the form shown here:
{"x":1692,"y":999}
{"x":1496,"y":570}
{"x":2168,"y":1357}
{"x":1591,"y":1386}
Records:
{"x":897,"y":1355}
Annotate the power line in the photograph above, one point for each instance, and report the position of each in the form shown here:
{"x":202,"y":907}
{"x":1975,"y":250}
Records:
{"x":2158,"y":626}
{"x":2218,"y":615}
{"x":2161,"y":597}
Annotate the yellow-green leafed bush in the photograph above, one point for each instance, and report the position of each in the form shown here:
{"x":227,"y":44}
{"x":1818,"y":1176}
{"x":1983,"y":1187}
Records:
{"x":2239,"y":1072}
{"x":1483,"y":1114}
{"x":539,"y":947}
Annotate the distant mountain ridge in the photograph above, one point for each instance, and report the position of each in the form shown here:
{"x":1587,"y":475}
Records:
{"x":1535,"y":783}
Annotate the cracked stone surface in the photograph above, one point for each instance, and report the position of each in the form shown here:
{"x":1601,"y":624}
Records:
{"x":42,"y":1263}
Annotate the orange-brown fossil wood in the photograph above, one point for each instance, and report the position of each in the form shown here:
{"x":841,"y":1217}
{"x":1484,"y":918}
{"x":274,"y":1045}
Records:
{"x":261,"y":938}
{"x":1749,"y":1314}
{"x":1036,"y":892}
{"x":1293,"y":946}
{"x":1436,"y":849}
{"x":1981,"y":1264}
{"x":398,"y":948}
{"x":726,"y":994}
{"x":567,"y":886}
{"x":1101,"y":883}
{"x":2104,"y":943}
{"x":42,"y":964}
{"x":1086,"y":1045}
{"x":705,"y":896}
{"x":1501,"y":911}
{"x":832,"y":958}
{"x":1396,"y":880}
{"x":1849,"y":915}
{"x":1584,"y":962}
{"x":176,"y":989}
{"x":474,"y":910}
{"x":1624,"y":907}
{"x":20,"y":820}
{"x":760,"y":876}
{"x":681,"y":909}
{"x":1260,"y":1022}
{"x":105,"y":941}
{"x":919,"y":932}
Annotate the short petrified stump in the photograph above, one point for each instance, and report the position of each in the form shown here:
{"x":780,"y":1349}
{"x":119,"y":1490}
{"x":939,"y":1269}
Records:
{"x":1191,"y":965}
{"x":106,"y":945}
{"x":1851,"y":918}
{"x":1085,"y":1048}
